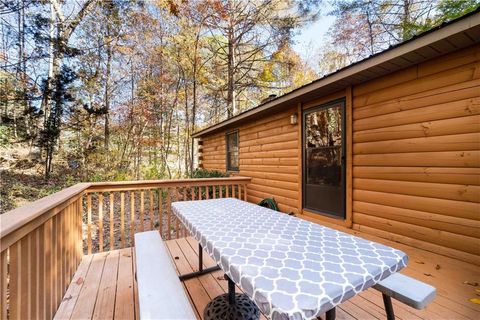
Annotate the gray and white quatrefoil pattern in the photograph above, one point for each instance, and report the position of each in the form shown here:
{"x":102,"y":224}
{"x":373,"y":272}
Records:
{"x":291,"y":268}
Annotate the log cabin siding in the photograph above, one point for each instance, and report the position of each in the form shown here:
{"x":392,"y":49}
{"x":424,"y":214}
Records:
{"x":268,"y":154}
{"x":416,"y":155}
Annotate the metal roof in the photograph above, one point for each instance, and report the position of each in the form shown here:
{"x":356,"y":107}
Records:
{"x":460,"y":33}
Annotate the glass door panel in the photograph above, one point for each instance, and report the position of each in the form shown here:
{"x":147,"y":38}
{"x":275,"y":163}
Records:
{"x":323,"y":160}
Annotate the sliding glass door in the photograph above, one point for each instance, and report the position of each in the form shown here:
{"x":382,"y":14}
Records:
{"x":324,"y":159}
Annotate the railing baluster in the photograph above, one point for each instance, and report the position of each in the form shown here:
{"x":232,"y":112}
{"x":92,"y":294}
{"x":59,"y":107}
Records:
{"x":33,"y":273}
{"x":41,"y":287}
{"x":15,"y":280}
{"x":122,"y":218}
{"x":184,"y":193}
{"x":78,"y":228}
{"x":177,"y":223}
{"x":49,"y":271}
{"x":25,"y":306}
{"x":112,"y":226}
{"x":65,"y":249}
{"x":169,"y":209}
{"x":207,"y":192}
{"x":132,"y":218}
{"x":227,"y":188}
{"x":214,"y":192}
{"x":60,"y":257}
{"x":160,"y":212}
{"x":192,"y":191}
{"x":100,"y":222}
{"x":142,"y":210}
{"x":150,"y":209}
{"x":89,"y":223}
{"x":26,"y":281}
{"x":3,"y":284}
{"x":68,"y":231}
{"x":57,"y":259}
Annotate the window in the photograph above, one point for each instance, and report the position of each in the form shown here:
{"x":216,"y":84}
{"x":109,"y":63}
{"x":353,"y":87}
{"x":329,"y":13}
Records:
{"x":232,"y":151}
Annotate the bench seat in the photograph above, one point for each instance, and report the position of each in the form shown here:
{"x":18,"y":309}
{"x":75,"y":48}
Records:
{"x":160,"y":292}
{"x":408,"y":290}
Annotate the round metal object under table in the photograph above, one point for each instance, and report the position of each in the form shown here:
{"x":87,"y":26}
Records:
{"x":221,"y":308}
{"x":231,"y":306}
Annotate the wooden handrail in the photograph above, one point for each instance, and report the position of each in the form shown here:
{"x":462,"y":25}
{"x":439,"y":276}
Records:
{"x":16,"y":222}
{"x":153,"y":184}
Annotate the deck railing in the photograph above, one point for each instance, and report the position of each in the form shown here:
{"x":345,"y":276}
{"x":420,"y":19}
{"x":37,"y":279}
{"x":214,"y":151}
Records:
{"x":116,"y":210}
{"x":42,"y":243}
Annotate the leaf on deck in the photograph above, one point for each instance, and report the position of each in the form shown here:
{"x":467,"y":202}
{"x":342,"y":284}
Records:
{"x":79,"y":281}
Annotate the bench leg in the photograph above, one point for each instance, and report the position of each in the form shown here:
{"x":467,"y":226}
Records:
{"x":387,"y":301}
{"x":200,"y":257}
{"x":330,"y":315}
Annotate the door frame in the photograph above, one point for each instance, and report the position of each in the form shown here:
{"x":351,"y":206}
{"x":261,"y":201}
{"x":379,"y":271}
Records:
{"x":317,"y":107}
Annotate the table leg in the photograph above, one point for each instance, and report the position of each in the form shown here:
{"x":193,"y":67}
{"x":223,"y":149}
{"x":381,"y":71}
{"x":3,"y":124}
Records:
{"x":200,"y":257}
{"x":231,"y":290}
{"x":232,"y":306}
{"x":387,"y":301}
{"x":330,"y":314}
{"x":201,"y":270}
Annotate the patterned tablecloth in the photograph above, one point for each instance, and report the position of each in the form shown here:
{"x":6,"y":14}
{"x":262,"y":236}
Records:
{"x":291,"y":268}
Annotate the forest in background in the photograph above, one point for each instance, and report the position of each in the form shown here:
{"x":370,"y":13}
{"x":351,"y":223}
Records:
{"x":97,"y":90}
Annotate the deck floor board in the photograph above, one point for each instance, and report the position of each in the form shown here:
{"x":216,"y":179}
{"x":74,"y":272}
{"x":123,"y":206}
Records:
{"x":104,"y":286}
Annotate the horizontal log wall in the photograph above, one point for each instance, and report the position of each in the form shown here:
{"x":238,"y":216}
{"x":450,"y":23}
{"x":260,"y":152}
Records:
{"x":268,"y":154}
{"x":416,"y":155}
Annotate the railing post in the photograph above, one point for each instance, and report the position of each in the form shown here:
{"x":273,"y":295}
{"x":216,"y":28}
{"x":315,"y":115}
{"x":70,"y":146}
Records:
{"x":89,"y":223}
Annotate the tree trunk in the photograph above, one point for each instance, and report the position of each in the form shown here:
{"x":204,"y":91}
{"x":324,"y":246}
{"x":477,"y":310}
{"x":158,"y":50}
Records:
{"x":187,"y":135}
{"x":51,"y":59}
{"x":406,"y":20}
{"x":194,"y":110}
{"x":231,"y":108}
{"x":107,"y":91}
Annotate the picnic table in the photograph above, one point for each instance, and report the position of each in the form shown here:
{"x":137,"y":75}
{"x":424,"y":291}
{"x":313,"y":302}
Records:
{"x":291,"y":268}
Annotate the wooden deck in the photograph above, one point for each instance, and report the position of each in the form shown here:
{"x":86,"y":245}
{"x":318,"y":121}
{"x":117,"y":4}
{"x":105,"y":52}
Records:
{"x":104,"y":286}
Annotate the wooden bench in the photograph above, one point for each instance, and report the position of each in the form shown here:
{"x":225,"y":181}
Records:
{"x":160,"y":292}
{"x":412,"y":292}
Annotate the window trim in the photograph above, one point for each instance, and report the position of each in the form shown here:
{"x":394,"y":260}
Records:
{"x":227,"y":151}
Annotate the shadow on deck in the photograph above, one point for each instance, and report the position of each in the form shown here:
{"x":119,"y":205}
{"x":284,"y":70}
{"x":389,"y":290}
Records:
{"x":104,"y":286}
